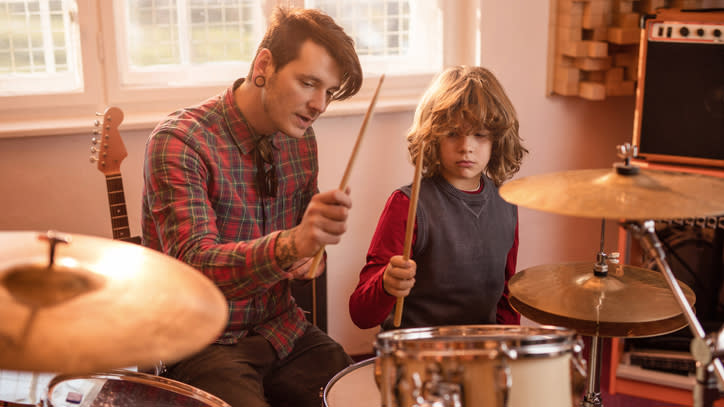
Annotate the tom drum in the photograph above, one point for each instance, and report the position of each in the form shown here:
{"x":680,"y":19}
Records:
{"x":478,"y":365}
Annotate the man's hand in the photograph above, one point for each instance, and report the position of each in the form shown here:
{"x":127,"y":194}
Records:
{"x":323,"y":223}
{"x":300,"y":268}
{"x":399,"y":277}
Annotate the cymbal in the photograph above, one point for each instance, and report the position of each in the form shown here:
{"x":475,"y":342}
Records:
{"x":93,"y":304}
{"x":604,"y":193}
{"x":627,"y":302}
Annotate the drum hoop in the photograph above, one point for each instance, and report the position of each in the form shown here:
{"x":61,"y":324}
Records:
{"x":343,"y":373}
{"x":143,"y":378}
{"x":543,"y":341}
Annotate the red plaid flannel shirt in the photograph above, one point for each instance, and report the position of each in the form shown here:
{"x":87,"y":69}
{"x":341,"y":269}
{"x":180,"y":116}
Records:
{"x":200,"y":205}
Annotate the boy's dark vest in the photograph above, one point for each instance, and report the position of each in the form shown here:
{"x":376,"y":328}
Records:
{"x":461,"y":251}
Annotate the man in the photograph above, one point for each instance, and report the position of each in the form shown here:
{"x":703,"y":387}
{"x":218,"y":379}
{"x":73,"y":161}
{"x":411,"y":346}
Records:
{"x":231,"y":189}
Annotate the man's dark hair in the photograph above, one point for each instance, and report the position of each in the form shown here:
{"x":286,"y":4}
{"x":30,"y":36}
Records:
{"x":289,"y":28}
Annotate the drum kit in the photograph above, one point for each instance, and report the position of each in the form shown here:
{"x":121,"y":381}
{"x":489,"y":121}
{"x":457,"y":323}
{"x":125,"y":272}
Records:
{"x":517,"y":366}
{"x":84,"y":307}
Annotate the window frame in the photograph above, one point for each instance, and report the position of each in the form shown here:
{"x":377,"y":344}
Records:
{"x":73,"y":113}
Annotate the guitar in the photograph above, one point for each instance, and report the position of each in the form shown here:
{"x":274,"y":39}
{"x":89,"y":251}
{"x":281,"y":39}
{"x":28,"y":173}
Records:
{"x":110,"y":153}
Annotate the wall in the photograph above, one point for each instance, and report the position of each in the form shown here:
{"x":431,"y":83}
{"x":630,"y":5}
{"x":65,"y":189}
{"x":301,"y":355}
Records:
{"x":48,"y":183}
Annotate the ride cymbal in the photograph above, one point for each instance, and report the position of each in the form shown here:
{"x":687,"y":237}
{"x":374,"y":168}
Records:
{"x":75,"y":303}
{"x":607,"y":193}
{"x":627,"y":302}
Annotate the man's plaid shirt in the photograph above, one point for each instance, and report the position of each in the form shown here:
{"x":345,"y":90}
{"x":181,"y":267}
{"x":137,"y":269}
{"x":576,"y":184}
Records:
{"x":200,"y":205}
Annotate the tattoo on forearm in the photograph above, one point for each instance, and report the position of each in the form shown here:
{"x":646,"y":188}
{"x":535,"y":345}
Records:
{"x":286,"y":249}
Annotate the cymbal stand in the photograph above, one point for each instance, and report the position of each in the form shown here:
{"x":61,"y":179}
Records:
{"x":706,"y":351}
{"x":592,"y":398}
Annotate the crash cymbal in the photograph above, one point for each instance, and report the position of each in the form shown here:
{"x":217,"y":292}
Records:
{"x":101,"y":304}
{"x":627,"y":302}
{"x":607,"y":193}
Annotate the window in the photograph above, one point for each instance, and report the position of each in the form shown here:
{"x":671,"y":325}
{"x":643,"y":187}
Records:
{"x":38,"y":47}
{"x":177,"y":42}
{"x":57,"y":59}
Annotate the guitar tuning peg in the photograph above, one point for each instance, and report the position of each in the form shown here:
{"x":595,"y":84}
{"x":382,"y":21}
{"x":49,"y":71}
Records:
{"x":93,"y":159}
{"x":96,"y":122}
{"x":94,"y":140}
{"x":93,"y":150}
{"x":96,"y":132}
{"x":99,"y":114}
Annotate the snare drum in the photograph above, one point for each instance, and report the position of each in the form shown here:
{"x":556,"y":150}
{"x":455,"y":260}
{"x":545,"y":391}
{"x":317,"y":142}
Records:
{"x":122,"y":388}
{"x":355,"y":386}
{"x":478,"y":365}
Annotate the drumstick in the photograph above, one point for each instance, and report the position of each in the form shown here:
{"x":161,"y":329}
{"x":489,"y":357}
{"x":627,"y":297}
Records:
{"x":343,"y":184}
{"x":411,"y":212}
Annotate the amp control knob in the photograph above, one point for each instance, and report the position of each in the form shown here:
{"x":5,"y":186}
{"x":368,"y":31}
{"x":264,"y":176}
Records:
{"x":684,"y":31}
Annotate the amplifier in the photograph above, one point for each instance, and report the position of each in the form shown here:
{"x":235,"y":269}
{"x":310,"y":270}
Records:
{"x":679,"y":116}
{"x":672,"y":362}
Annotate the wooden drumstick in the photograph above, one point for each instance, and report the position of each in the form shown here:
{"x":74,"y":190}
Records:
{"x":411,"y":212}
{"x":343,"y":184}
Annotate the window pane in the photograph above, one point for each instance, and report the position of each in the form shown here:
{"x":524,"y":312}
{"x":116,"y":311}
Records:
{"x":186,"y":41}
{"x":38,"y":42}
{"x":216,"y":31}
{"x":393,"y":36}
{"x":152,"y":33}
{"x":375,"y":25}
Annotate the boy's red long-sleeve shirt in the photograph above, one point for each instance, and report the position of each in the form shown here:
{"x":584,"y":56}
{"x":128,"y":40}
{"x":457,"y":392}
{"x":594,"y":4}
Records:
{"x":369,"y":304}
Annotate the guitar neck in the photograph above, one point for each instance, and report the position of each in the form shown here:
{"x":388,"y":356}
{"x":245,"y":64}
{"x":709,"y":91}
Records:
{"x":117,"y":202}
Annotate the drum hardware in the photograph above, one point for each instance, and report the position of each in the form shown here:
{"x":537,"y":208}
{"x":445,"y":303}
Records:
{"x":75,"y":303}
{"x":627,"y":302}
{"x":620,"y":193}
{"x":441,"y":387}
{"x":592,"y":396}
{"x":504,"y":381}
{"x":455,"y":366}
{"x":635,"y":195}
{"x":706,"y":350}
{"x":120,"y":388}
{"x":603,"y":299}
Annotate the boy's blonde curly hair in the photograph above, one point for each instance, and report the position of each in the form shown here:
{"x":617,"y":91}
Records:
{"x":463,"y":99}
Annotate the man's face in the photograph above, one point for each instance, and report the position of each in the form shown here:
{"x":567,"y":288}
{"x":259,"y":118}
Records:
{"x":298,"y":93}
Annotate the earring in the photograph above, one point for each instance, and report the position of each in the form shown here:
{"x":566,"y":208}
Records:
{"x":260,"y":81}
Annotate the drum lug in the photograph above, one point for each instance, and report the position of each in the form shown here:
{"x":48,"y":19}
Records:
{"x":579,"y":362}
{"x":443,"y":387}
{"x":503,"y":382}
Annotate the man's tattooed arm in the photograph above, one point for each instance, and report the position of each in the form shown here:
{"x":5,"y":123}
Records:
{"x":286,"y":249}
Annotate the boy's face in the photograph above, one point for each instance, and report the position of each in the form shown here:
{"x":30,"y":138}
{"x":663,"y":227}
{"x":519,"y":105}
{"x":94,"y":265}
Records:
{"x":464,"y":156}
{"x":297,"y":94}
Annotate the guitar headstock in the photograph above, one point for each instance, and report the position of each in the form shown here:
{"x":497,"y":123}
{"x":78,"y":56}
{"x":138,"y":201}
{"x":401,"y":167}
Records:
{"x":108,"y":145}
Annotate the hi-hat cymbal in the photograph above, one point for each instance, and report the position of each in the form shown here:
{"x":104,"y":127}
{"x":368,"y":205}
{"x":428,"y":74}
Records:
{"x":627,"y":302}
{"x":102,"y":304}
{"x":605,"y":193}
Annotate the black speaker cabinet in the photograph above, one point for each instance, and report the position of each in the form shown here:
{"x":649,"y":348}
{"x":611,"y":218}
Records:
{"x":679,"y":116}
